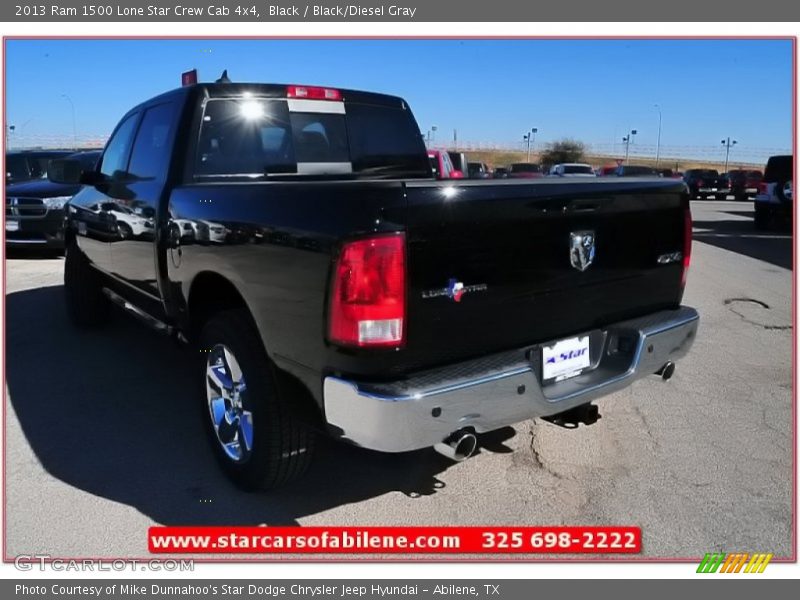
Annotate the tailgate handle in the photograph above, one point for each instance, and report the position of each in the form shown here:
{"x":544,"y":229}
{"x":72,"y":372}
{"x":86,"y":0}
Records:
{"x":585,"y":206}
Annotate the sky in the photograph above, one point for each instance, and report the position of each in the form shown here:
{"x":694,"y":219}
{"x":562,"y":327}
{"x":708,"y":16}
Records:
{"x":488,"y":91}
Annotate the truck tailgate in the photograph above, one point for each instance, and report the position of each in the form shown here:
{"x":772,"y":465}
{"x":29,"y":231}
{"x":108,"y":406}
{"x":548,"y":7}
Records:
{"x":494,"y":265}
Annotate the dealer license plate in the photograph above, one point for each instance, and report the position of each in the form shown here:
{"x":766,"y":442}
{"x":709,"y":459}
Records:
{"x":12,"y":225}
{"x":566,"y":358}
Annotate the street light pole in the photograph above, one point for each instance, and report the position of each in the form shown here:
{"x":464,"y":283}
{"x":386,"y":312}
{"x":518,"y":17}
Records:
{"x":728,"y":143}
{"x":658,"y":143}
{"x":627,"y":140}
{"x":74,"y":128}
{"x":530,"y":137}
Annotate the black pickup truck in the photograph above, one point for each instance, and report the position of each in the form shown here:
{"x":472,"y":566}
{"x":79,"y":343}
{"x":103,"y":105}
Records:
{"x":328,"y":283}
{"x":706,"y":182}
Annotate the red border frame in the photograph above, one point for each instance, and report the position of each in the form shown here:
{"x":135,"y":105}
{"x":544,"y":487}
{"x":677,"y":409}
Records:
{"x":490,"y":559}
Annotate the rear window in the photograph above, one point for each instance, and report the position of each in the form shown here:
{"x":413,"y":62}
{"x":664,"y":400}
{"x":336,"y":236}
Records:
{"x":245,"y":137}
{"x":578,"y":169}
{"x":525,"y":168}
{"x":635,"y":171}
{"x":779,"y":168}
{"x":319,"y":138}
{"x":256,"y":138}
{"x":385,"y":141}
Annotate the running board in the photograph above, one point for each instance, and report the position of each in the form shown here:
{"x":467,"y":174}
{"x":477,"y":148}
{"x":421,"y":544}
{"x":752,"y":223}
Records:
{"x":137,"y":312}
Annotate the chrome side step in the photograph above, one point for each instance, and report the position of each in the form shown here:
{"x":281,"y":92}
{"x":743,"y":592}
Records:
{"x":137,"y":312}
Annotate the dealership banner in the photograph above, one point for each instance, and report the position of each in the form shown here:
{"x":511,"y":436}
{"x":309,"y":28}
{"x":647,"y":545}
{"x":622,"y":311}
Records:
{"x":400,"y":11}
{"x":385,"y":589}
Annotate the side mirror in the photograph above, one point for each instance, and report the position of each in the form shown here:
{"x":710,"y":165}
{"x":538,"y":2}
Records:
{"x":64,"y":170}
{"x":70,"y":171}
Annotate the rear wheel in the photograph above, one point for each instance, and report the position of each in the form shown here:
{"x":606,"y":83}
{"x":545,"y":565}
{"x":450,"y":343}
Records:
{"x":254,"y":435}
{"x":87,"y":307}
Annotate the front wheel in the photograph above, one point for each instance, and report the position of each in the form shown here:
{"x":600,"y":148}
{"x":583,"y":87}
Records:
{"x":254,"y":435}
{"x":87,"y":307}
{"x":125,"y":231}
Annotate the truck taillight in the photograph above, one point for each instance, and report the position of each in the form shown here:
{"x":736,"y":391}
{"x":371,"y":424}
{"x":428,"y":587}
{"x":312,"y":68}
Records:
{"x":312,"y":93}
{"x":368,"y":293}
{"x":687,"y":244}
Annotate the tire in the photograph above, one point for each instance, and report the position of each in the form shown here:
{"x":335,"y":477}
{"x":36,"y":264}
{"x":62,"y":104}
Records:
{"x":87,"y":307}
{"x":762,"y":216}
{"x":254,"y":435}
{"x":125,"y":231}
{"x":780,"y":190}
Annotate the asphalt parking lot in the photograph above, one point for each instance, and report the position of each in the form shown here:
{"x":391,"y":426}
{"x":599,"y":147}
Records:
{"x":102,"y":440}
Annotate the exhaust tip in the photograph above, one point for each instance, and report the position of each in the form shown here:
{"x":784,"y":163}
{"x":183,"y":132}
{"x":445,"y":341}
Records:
{"x":667,"y":371}
{"x":458,"y":446}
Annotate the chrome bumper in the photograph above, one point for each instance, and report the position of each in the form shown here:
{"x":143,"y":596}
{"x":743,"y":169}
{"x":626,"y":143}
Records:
{"x":501,"y":390}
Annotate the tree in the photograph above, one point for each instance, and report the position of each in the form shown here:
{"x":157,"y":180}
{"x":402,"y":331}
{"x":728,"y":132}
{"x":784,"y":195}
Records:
{"x":563,"y":151}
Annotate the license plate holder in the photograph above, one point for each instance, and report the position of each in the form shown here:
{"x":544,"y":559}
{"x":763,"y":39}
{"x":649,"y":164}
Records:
{"x":566,"y":358}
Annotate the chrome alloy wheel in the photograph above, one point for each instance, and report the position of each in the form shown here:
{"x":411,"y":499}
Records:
{"x":226,"y":394}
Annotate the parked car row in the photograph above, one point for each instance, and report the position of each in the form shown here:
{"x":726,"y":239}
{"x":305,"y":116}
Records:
{"x":743,"y":184}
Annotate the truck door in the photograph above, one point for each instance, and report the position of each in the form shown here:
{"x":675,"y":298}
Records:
{"x":95,"y":226}
{"x":136,"y":196}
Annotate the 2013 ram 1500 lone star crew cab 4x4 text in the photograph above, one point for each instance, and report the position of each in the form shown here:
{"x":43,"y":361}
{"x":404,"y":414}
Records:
{"x":350,"y":292}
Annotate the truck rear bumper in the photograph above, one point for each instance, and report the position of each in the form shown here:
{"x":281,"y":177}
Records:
{"x":502,"y":389}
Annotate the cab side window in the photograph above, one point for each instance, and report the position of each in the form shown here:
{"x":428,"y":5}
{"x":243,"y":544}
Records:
{"x":150,"y":155}
{"x":115,"y":157}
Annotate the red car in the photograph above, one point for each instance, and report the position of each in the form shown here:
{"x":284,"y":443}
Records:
{"x":525,"y":170}
{"x":442,"y":167}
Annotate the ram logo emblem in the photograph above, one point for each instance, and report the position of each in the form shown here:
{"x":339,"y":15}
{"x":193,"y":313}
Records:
{"x":581,"y":249}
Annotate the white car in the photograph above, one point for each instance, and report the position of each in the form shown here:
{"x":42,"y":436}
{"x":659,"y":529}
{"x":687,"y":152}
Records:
{"x":572,"y":170}
{"x":217,"y":233}
{"x":129,"y":224}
